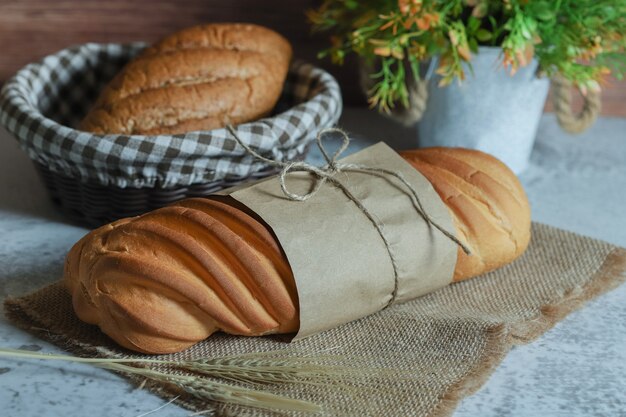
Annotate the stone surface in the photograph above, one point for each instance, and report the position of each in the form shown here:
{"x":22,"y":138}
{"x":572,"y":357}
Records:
{"x":576,"y":369}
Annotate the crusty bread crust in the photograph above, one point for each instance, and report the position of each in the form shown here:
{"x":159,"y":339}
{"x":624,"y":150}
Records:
{"x":488,"y":205}
{"x":163,"y":281}
{"x":200,"y":78}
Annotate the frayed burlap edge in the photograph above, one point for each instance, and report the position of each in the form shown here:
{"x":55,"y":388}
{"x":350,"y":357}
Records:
{"x":501,"y":339}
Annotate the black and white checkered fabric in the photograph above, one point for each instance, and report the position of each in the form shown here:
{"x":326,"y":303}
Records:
{"x":42,"y":102}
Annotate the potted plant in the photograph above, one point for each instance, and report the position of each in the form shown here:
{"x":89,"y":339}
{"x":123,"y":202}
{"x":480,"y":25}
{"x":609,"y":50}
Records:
{"x":485,"y":64}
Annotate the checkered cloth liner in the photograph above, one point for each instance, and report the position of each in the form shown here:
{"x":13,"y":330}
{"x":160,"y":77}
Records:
{"x":43,"y":100}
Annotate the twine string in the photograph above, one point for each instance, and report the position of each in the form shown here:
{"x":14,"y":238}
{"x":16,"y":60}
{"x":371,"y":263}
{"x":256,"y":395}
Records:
{"x":328,"y":172}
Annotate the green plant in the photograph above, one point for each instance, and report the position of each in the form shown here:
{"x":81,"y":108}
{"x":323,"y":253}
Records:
{"x":583,"y":40}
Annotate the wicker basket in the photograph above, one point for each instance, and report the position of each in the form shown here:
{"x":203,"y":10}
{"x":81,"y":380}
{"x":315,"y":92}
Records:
{"x":96,"y":179}
{"x":93,"y":204}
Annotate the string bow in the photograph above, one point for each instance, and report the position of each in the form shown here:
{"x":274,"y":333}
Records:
{"x":328,"y":173}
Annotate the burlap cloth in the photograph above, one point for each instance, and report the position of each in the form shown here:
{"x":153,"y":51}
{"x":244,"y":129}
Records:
{"x":449,"y":341}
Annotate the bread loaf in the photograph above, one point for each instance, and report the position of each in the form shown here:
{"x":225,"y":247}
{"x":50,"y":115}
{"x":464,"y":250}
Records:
{"x":163,"y":281}
{"x":487,"y":203}
{"x":201,"y":78}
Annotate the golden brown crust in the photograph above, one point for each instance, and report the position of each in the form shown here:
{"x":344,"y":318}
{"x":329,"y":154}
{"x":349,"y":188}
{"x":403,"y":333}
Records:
{"x":487,"y":203}
{"x":201,"y":78}
{"x":163,"y":281}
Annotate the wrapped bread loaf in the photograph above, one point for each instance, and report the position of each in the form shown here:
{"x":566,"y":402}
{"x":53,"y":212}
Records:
{"x":200,"y":78}
{"x":163,"y":281}
{"x":487,"y":203}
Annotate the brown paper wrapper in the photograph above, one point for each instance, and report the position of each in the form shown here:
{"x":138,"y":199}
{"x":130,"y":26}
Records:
{"x":342,"y":268}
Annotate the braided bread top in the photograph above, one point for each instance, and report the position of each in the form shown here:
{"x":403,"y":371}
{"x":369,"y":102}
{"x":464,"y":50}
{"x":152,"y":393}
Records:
{"x":163,"y":281}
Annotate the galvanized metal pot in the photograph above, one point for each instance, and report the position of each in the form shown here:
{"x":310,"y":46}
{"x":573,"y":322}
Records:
{"x":492,"y":110}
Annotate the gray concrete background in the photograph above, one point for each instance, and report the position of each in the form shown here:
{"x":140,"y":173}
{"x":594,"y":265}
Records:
{"x":576,"y":369}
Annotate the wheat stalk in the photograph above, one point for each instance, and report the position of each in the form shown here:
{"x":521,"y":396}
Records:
{"x":273,"y":367}
{"x":198,"y":387}
{"x":197,"y":377}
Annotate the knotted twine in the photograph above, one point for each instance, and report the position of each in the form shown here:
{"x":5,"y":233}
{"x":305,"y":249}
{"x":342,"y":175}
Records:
{"x":328,"y":173}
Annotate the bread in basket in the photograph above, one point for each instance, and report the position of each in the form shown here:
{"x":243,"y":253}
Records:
{"x":96,"y":178}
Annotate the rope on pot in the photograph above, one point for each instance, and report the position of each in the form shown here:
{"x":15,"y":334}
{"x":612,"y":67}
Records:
{"x":562,"y":101}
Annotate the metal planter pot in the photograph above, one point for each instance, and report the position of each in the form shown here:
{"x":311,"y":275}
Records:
{"x":491,"y":110}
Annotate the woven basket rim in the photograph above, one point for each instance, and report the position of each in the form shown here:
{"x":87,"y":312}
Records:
{"x":36,"y":112}
{"x":18,"y":112}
